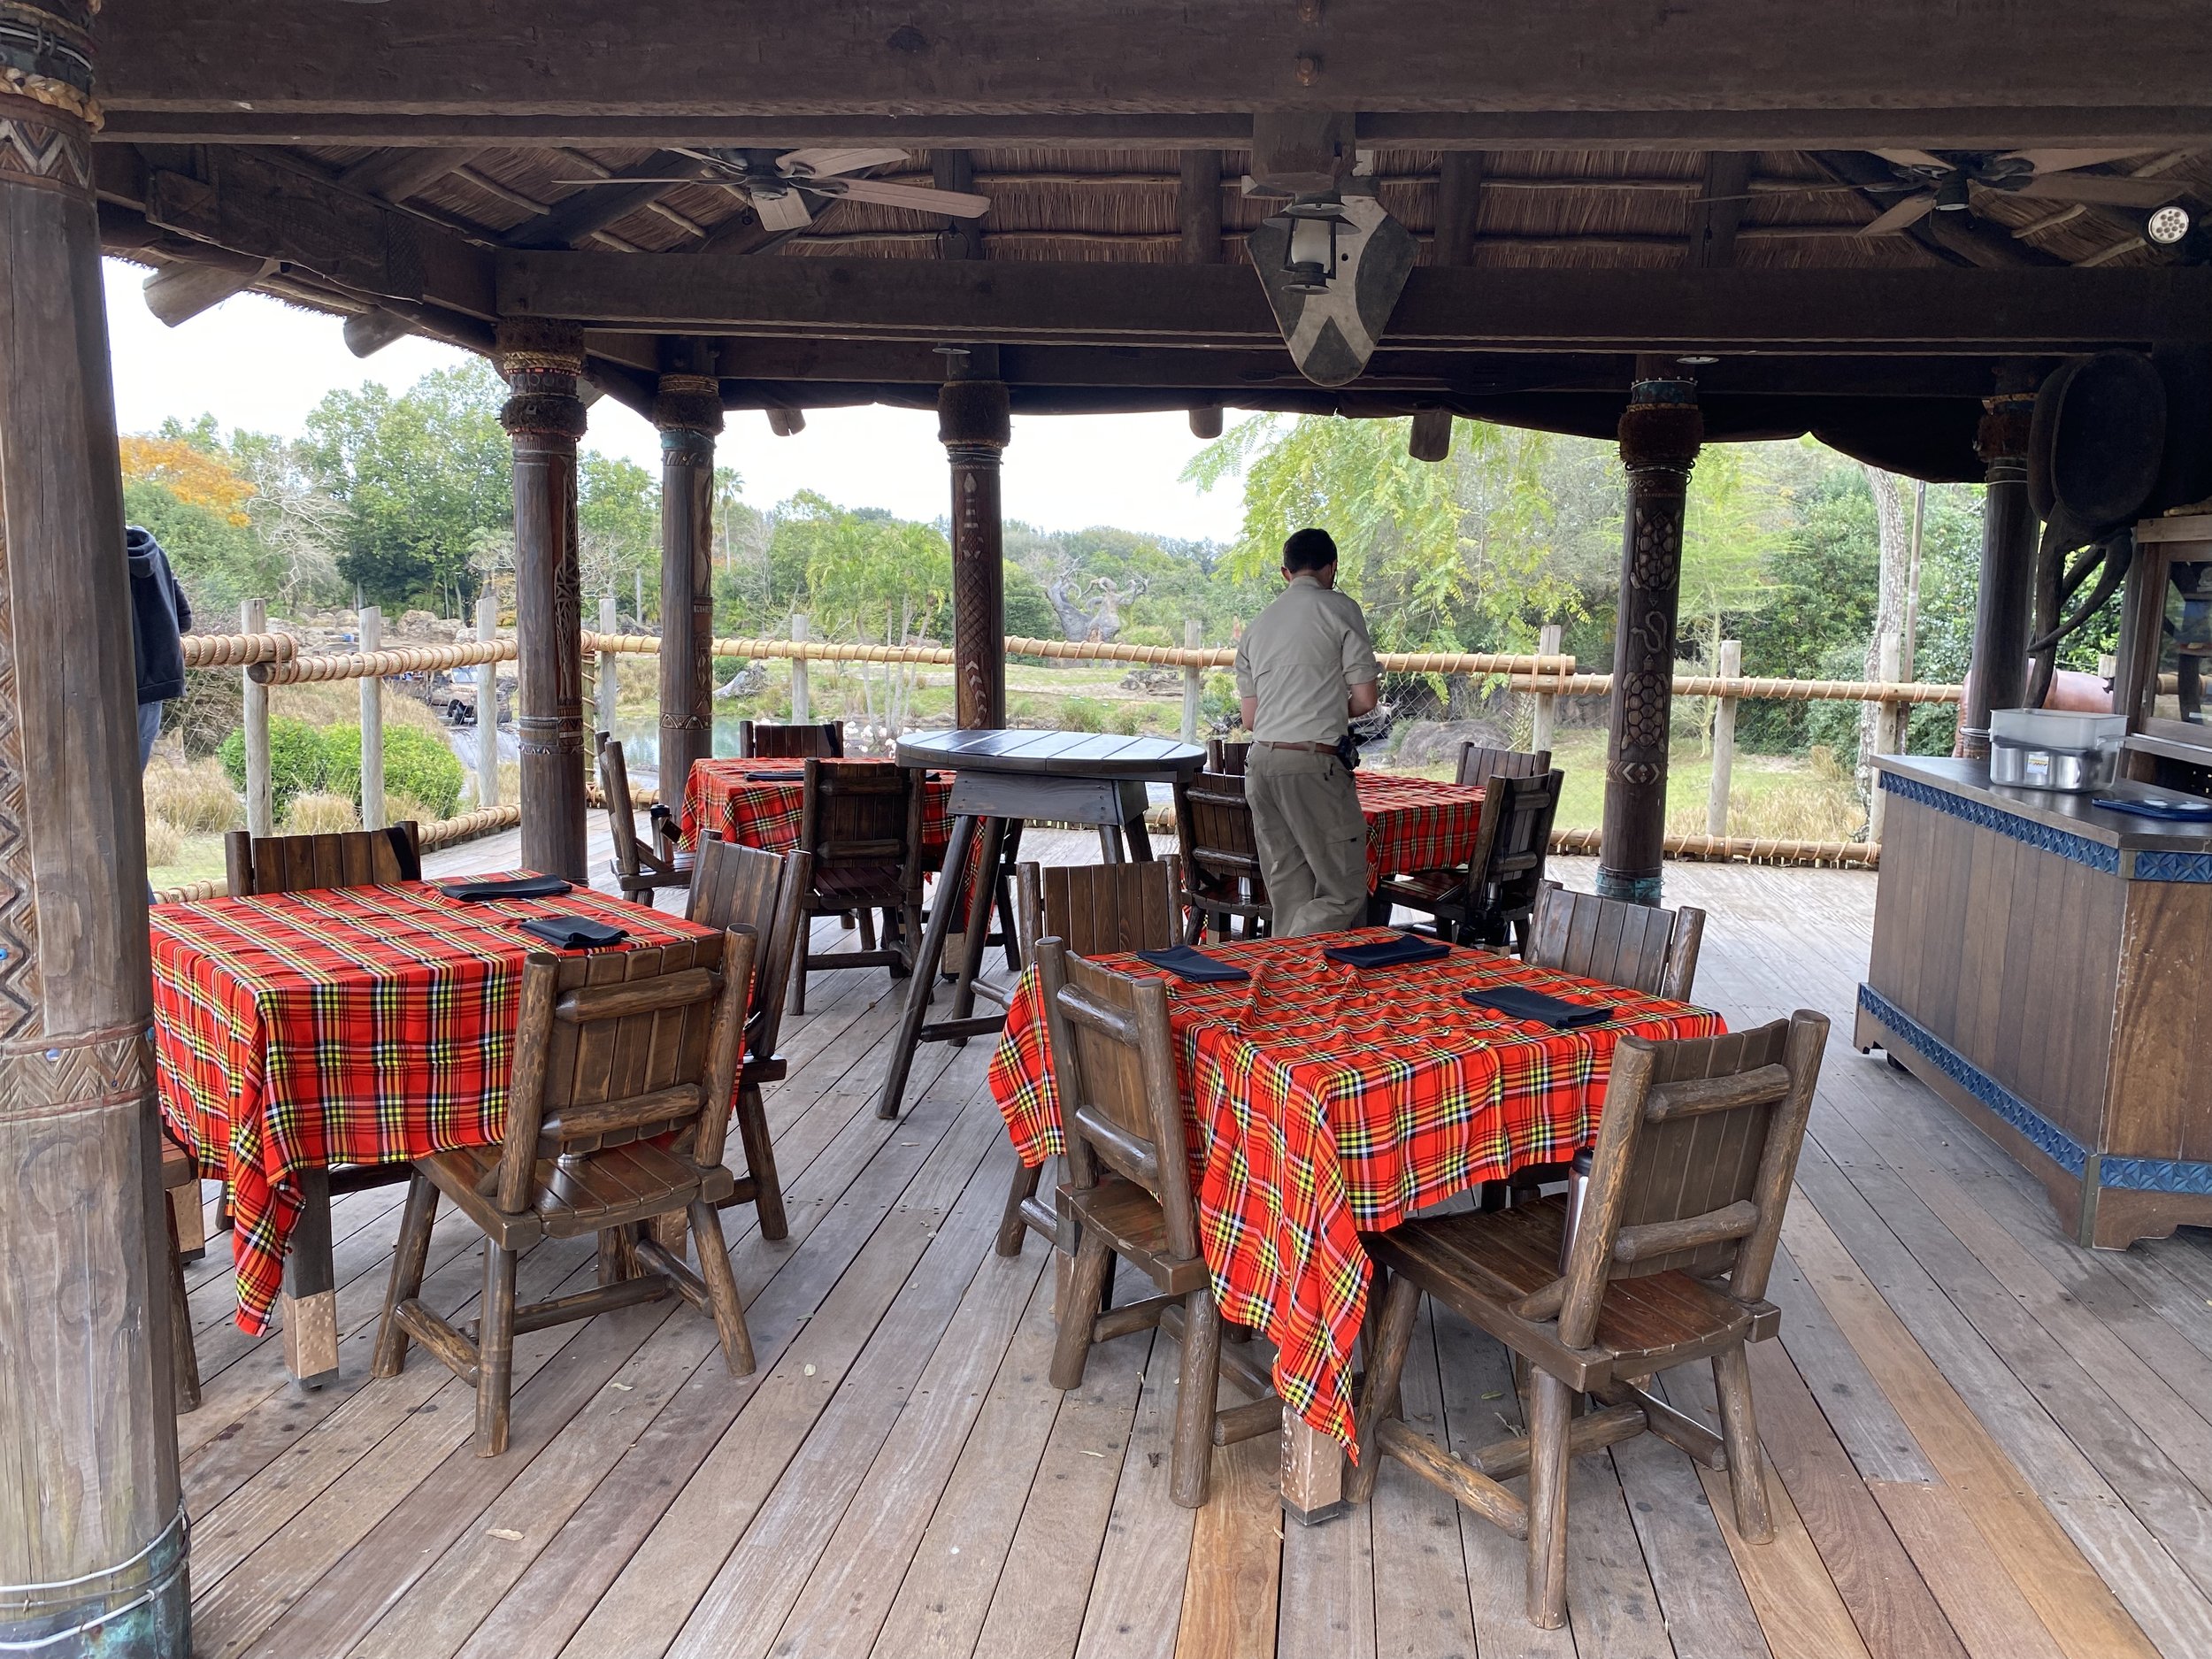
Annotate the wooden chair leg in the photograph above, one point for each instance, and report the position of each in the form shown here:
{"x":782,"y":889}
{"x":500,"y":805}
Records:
{"x":1194,"y":926}
{"x":804,"y":959}
{"x":1196,"y":1390}
{"x":184,"y":1361}
{"x":1071,"y":1343}
{"x":408,"y":1262}
{"x":1739,"y":1433}
{"x":616,"y":1261}
{"x":729,"y":1309}
{"x":760,"y":1162}
{"x":1011,"y":1228}
{"x":867,"y":930}
{"x":1548,"y":1419}
{"x":1385,"y":1369}
{"x":495,"y":1350}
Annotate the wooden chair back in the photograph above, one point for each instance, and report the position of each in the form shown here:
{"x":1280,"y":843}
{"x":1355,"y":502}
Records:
{"x":1223,"y":756}
{"x":622,"y":1047}
{"x":1097,"y":910}
{"x":1113,"y":1063}
{"x":261,"y":864}
{"x":1514,"y":839}
{"x":1638,"y":946}
{"x":1695,"y":1153}
{"x":1213,"y":823}
{"x":745,"y":887}
{"x":759,"y":740}
{"x":1479,"y":764}
{"x":862,"y":824}
{"x":639,"y":867}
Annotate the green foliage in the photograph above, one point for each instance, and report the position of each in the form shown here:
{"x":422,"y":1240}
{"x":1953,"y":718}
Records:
{"x":298,"y":761}
{"x":217,"y":561}
{"x":416,"y":764}
{"x":861,"y":573}
{"x":1083,"y":714}
{"x":1029,"y":614}
{"x":619,"y":526}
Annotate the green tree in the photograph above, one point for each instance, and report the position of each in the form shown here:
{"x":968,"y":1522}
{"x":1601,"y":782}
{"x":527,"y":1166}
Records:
{"x":618,"y":526}
{"x":861,"y":573}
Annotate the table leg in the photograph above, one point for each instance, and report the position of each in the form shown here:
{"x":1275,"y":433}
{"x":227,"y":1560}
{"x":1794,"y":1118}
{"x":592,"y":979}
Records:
{"x":1139,"y":841}
{"x":1313,"y":1472}
{"x":982,"y":898}
{"x":931,"y":953}
{"x":310,"y":1301}
{"x":1378,"y":909}
{"x":1109,"y":843}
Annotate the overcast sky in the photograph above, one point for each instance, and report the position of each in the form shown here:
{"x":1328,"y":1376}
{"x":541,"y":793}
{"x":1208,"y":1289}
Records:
{"x":253,"y":362}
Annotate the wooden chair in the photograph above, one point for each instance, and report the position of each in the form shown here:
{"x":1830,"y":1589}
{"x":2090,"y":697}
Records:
{"x":1496,"y":889}
{"x":1479,"y":764}
{"x":758,"y":740}
{"x":1668,"y":1264}
{"x":743,"y":887}
{"x":1221,"y":855}
{"x":180,"y":1206}
{"x":862,"y":827}
{"x":1093,"y":910}
{"x":1128,"y":1196}
{"x":625,"y":1063}
{"x":1223,"y":756}
{"x":256,"y":866}
{"x":640,"y":870}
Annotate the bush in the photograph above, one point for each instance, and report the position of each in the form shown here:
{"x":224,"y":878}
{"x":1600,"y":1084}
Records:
{"x":198,"y":799}
{"x":298,"y":762}
{"x":1082,"y":714}
{"x":416,"y":764}
{"x":164,"y":841}
{"x":401,"y":808}
{"x":321,"y":814}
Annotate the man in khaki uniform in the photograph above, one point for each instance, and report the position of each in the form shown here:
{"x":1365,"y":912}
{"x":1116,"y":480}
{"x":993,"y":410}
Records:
{"x":1304,"y":668}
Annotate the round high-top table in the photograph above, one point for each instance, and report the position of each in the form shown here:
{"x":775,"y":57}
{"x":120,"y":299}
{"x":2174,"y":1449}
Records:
{"x":1002,"y":778}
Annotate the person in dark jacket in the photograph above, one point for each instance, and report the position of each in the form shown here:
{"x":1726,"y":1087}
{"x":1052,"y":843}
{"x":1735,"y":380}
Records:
{"x":161,"y":616}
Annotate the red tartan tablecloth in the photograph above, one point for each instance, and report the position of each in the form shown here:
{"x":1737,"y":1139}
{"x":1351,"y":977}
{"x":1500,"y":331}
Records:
{"x":341,"y":1025}
{"x":1324,"y":1101}
{"x":765,"y":813}
{"x":1415,"y":823}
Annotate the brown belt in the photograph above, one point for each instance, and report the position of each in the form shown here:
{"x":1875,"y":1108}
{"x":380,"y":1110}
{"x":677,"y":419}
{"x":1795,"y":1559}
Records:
{"x":1310,"y":748}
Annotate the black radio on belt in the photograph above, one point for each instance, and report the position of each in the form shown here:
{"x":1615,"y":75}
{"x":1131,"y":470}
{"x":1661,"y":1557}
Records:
{"x":1348,"y":751}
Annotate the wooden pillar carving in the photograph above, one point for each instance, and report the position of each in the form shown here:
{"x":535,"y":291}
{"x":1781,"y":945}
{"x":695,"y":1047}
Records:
{"x":544,"y":418}
{"x":1999,"y":676}
{"x":92,"y":1540}
{"x":689,"y":413}
{"x":1660,"y":433}
{"x":974,"y":426}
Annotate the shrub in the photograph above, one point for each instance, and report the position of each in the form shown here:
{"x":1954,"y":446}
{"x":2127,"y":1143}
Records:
{"x":399,"y":808}
{"x":320,"y":814}
{"x":1130,"y":719}
{"x":1082,"y":714}
{"x":416,"y":764}
{"x":164,"y":841}
{"x":297,"y":762}
{"x":196,"y":799}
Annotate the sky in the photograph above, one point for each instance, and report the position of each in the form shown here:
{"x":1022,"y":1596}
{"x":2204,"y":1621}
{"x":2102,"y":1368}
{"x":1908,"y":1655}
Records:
{"x":255,"y":364}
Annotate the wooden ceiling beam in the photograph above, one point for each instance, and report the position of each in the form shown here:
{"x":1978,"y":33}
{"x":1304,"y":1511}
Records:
{"x":592,"y":209}
{"x":396,"y":174}
{"x":1716,"y":215}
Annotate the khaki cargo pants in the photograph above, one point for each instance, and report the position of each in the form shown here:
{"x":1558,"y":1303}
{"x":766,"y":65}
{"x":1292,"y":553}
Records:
{"x":1312,"y":837}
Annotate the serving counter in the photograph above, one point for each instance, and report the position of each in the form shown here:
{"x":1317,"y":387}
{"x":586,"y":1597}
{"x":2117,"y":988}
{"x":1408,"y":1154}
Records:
{"x":2044,"y":965}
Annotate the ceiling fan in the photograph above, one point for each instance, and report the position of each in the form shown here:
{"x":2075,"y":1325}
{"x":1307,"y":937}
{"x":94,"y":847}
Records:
{"x":778,"y":185}
{"x":1937,"y":184}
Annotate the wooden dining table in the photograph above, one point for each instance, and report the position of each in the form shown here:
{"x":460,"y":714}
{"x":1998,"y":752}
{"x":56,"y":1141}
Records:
{"x":760,"y":802}
{"x":1325,"y":1101}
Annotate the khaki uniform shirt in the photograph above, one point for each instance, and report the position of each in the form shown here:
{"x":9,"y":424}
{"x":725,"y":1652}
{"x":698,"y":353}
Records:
{"x":1299,"y":658}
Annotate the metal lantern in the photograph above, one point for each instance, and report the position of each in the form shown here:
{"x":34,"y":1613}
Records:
{"x":1310,"y":259}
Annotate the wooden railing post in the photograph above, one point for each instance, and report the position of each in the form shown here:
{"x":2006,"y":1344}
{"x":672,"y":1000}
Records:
{"x":253,"y":617}
{"x":1728,"y":664}
{"x":1539,"y":727}
{"x":800,"y":712}
{"x":1193,"y":679}
{"x":610,"y":693}
{"x":371,"y":725}
{"x":1889,"y":731}
{"x":487,"y":707}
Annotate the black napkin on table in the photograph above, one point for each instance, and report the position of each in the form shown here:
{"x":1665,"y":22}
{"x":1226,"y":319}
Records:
{"x":1194,"y":966}
{"x":1401,"y":952}
{"x":785,"y":776}
{"x":573,"y":933}
{"x":1517,"y":1001}
{"x":520,"y":888}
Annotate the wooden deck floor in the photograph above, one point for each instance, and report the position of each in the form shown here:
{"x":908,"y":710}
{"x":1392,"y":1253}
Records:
{"x":1986,"y":1441}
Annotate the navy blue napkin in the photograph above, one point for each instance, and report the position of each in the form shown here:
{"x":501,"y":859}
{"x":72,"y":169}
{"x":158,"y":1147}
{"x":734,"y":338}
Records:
{"x":2180,"y":810}
{"x":520,"y":888}
{"x":1194,"y":966}
{"x":573,"y":933}
{"x":1518,"y":1002}
{"x":1401,"y":952}
{"x":775,"y":777}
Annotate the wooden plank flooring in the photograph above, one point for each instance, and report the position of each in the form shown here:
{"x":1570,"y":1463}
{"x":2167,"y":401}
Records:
{"x":1986,"y":1443}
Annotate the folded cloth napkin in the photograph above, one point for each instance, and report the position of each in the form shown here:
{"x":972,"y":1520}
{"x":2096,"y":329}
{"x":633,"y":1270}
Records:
{"x":1194,"y":966}
{"x":520,"y":887}
{"x":573,"y":933}
{"x":1518,"y":1002}
{"x":774,"y":777}
{"x":1401,"y":952}
{"x":2180,"y":809}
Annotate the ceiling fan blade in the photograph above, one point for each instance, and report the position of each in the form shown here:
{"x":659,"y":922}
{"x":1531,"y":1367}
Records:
{"x":686,"y":178}
{"x":2089,"y":187}
{"x":1914,"y":159}
{"x":781,"y":209}
{"x":2060,"y":160}
{"x":1911,"y":210}
{"x":955,"y":203}
{"x":820,"y":163}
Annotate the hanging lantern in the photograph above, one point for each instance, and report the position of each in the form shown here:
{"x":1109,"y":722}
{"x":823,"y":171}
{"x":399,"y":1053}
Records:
{"x":1309,"y":257}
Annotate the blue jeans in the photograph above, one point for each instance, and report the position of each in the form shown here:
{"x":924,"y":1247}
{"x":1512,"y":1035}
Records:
{"x":149,"y":729}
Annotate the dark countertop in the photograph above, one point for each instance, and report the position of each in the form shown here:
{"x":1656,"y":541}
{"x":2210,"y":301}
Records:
{"x":1969,"y":779}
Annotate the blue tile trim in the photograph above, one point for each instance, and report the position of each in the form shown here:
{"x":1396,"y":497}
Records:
{"x":2080,"y":849}
{"x":2173,"y":867}
{"x":2053,"y":1142}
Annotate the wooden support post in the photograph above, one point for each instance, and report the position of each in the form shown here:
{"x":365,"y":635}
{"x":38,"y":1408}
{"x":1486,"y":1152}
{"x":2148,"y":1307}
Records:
{"x":1540,"y":728}
{"x":1889,"y":731}
{"x":487,"y":706}
{"x":308,"y":1307}
{"x":974,"y":424}
{"x":1998,"y":678}
{"x":962,"y":238}
{"x":545,"y":418}
{"x":608,"y":690}
{"x":688,"y":413}
{"x":1194,"y":678}
{"x":253,"y":617}
{"x":371,"y":725}
{"x":92,"y":1535}
{"x":802,"y":703}
{"x":1660,"y":433}
{"x":1728,"y":664}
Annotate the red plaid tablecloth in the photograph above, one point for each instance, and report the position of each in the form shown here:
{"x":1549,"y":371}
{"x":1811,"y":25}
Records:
{"x":765,"y":813}
{"x":1415,"y":823}
{"x":1324,"y":1101}
{"x":341,"y":1025}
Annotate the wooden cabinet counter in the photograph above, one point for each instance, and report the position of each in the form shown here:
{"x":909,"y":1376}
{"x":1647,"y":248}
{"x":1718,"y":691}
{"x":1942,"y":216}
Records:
{"x":2045,"y":965}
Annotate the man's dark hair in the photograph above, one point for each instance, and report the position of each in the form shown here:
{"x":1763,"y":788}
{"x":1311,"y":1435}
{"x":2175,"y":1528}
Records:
{"x":1309,"y":550}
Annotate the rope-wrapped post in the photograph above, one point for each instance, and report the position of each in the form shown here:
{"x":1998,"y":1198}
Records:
{"x":801,"y":699}
{"x":379,"y":665}
{"x":237,"y":650}
{"x":1540,"y":718}
{"x":1730,"y":660}
{"x":371,"y":724}
{"x":487,"y":705}
{"x":254,"y":717}
{"x":1194,"y":682}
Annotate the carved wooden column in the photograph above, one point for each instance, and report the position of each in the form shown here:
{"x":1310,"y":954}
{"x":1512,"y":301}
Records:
{"x":1660,"y":433}
{"x":1999,"y":676}
{"x":544,"y":418}
{"x":689,"y":414}
{"x":975,"y":426}
{"x":92,"y":1543}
